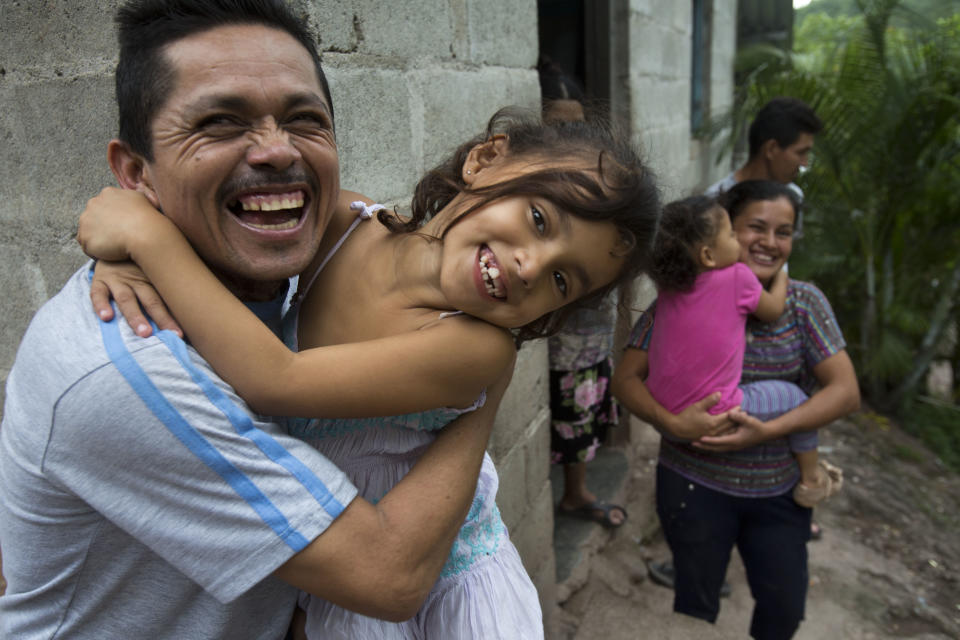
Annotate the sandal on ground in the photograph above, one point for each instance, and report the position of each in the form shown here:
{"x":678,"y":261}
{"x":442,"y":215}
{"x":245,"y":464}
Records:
{"x":663,"y":574}
{"x":816,"y":531}
{"x":829,"y":481}
{"x":597,"y":511}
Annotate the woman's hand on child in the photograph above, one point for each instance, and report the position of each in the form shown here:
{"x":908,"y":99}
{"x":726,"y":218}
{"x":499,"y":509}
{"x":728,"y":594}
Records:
{"x":696,"y":421}
{"x":112,"y":219}
{"x":134,"y":295}
{"x":748,"y":431}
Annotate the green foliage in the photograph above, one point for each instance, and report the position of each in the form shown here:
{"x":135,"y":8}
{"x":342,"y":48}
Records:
{"x":882,"y":220}
{"x":908,"y":454}
{"x":937,"y":425}
{"x":911,"y":11}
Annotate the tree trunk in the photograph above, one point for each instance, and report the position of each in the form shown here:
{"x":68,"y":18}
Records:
{"x":928,"y":348}
{"x":868,"y":326}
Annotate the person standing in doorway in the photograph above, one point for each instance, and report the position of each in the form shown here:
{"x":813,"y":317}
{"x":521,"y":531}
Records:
{"x":581,"y":405}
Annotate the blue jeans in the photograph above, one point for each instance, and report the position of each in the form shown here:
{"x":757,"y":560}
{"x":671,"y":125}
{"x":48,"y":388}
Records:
{"x":702,"y":526}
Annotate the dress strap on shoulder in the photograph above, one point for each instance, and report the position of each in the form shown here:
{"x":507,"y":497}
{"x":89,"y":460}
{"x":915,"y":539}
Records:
{"x":364,"y":212}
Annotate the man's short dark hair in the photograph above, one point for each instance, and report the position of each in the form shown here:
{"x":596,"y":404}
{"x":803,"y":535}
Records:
{"x":144,"y":75}
{"x":783,"y":120}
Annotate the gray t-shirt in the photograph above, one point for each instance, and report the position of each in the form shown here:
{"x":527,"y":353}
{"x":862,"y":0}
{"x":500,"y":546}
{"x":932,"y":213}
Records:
{"x":139,"y":496}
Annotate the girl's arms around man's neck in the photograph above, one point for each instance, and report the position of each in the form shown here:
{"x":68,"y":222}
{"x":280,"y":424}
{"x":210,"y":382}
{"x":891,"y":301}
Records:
{"x":445,"y":364}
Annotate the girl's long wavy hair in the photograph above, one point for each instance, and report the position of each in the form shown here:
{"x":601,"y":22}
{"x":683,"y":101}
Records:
{"x":685,"y":226}
{"x":618,"y":188}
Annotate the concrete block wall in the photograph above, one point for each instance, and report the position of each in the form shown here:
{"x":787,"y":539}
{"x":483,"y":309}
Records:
{"x":660,"y":81}
{"x":658,"y":54}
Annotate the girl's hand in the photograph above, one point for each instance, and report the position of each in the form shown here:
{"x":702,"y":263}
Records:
{"x":113,"y":219}
{"x":129,"y":287}
{"x":780,"y":278}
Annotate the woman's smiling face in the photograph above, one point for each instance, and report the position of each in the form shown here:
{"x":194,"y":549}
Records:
{"x":764,"y":229}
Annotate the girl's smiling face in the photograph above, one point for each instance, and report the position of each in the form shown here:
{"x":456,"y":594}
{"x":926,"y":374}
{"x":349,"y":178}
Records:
{"x":519,"y":258}
{"x":764,"y":229}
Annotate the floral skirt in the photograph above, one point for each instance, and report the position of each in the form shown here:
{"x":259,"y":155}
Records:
{"x":582,"y":409}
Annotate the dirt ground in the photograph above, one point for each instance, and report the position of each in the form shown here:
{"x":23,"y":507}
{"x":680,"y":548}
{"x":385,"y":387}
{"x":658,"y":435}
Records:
{"x":888,"y":565}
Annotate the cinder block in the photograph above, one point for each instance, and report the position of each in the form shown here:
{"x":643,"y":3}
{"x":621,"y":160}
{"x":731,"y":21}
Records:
{"x":680,"y":14}
{"x":457,"y":104}
{"x":642,"y":10}
{"x":55,"y":136}
{"x":35,"y":267}
{"x":677,"y":52}
{"x":502,"y":32}
{"x":332,"y":22}
{"x":56,"y":37}
{"x":398,"y":30}
{"x":374,"y":135}
{"x":533,"y":536}
{"x":527,"y":395}
{"x":646,"y":49}
{"x":511,"y":496}
{"x":537,"y":453}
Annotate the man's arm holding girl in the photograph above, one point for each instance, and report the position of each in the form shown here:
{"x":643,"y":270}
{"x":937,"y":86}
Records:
{"x":382,"y":560}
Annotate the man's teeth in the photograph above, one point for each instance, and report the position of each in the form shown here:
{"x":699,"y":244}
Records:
{"x":491,"y":278}
{"x":289,"y":205}
{"x":289,"y":224}
{"x":273,"y":204}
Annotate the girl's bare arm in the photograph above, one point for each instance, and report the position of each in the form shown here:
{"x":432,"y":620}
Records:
{"x":446,"y":364}
{"x":772,"y":302}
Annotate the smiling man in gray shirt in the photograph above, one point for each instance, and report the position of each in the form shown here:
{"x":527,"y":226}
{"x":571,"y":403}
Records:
{"x":139,"y":495}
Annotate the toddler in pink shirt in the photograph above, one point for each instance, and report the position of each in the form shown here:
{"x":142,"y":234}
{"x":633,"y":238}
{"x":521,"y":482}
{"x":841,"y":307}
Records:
{"x":704,"y":297}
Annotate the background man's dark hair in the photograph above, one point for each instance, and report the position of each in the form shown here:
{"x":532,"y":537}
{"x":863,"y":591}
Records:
{"x":783,"y":120}
{"x":144,"y":75}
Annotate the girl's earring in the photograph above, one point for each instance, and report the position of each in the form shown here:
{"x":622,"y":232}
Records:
{"x":469,"y":172}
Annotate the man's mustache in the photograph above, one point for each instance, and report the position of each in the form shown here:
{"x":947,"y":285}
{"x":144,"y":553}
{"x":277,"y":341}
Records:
{"x":255,"y":179}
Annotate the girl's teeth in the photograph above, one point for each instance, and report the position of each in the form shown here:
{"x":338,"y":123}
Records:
{"x":491,"y":277}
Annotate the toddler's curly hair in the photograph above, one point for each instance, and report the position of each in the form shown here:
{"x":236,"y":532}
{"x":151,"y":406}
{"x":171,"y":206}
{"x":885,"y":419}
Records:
{"x":685,"y":226}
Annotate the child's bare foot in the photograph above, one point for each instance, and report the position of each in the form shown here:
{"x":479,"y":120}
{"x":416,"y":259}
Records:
{"x":829,"y":480}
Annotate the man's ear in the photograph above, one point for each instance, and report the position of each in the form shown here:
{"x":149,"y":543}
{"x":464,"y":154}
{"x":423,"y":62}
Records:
{"x":131,"y":170}
{"x":770,"y":148}
{"x":706,"y":257}
{"x":483,"y":156}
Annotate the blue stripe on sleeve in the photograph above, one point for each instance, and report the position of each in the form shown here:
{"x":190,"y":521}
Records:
{"x":192,"y":439}
{"x":244,"y":425}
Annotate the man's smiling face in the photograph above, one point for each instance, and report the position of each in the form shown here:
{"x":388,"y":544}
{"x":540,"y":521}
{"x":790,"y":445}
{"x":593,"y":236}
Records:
{"x":244,"y":154}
